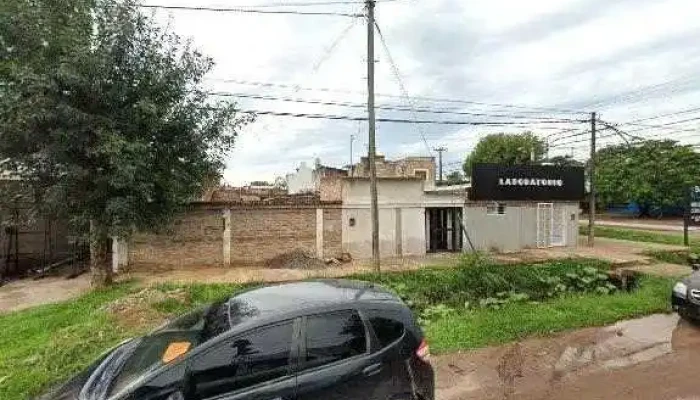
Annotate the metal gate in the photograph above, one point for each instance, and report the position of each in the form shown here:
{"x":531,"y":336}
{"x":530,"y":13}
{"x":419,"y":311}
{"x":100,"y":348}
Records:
{"x":551,"y":224}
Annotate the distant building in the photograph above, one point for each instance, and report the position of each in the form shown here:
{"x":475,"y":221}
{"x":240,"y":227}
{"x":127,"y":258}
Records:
{"x":308,"y":180}
{"x":408,"y":167}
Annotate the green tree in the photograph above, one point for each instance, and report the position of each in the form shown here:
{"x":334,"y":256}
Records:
{"x":454,"y":178}
{"x":655,"y":173}
{"x":564,"y":161}
{"x":108,"y":121}
{"x":508,"y":149}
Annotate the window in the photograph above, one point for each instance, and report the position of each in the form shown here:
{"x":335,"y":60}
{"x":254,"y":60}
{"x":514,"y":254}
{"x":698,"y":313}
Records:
{"x":421,"y":173}
{"x":386,"y":325}
{"x":334,"y":337}
{"x":495,"y":209}
{"x":242,"y":361}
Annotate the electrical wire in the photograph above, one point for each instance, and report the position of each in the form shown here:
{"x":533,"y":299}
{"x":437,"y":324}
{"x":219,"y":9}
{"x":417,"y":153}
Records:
{"x":527,"y":109}
{"x":249,"y":10}
{"x":395,"y":120}
{"x":383,"y":107}
{"x":402,"y":87}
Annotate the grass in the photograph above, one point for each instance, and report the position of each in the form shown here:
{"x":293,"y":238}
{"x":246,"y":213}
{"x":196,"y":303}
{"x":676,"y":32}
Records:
{"x":670,"y":256}
{"x":484,"y":327}
{"x":637,"y":235}
{"x":46,"y":344}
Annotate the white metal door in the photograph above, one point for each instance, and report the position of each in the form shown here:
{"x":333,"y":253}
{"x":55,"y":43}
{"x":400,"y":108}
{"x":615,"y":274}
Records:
{"x":544,"y":224}
{"x":558,"y":237}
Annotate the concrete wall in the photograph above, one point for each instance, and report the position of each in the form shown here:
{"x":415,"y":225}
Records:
{"x":517,"y":228}
{"x":401,"y":217}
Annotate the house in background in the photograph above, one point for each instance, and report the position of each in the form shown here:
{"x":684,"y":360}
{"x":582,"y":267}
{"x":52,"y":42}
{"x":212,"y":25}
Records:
{"x":408,"y":167}
{"x":308,"y":180}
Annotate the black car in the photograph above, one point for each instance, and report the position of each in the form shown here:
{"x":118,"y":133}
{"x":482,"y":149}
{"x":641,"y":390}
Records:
{"x":329,"y":339}
{"x":685,"y":298}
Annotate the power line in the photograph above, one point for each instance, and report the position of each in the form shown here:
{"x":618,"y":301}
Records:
{"x":384,"y":107}
{"x":397,"y":120}
{"x":527,"y":109}
{"x":248,"y":10}
{"x":687,"y":111}
{"x":404,"y":92}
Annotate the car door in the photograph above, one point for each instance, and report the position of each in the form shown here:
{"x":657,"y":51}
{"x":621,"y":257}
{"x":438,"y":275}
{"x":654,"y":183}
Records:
{"x":335,"y":361}
{"x":256,"y":365}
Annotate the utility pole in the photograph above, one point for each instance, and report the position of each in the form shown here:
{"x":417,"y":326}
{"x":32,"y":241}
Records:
{"x":350,"y":170}
{"x":440,"y":150}
{"x":374,"y":208}
{"x":591,"y":179}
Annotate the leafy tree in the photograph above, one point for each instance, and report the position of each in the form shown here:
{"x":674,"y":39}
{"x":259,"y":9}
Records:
{"x":564,"y":161}
{"x":655,"y":173}
{"x":454,"y":178}
{"x":508,"y":149}
{"x":108,"y":121}
{"x":260,"y":183}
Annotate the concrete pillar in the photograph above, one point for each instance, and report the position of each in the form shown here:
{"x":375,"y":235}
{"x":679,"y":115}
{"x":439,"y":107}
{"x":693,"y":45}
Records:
{"x":120,"y":253}
{"x":399,"y":233}
{"x":319,"y":233}
{"x":226,"y":237}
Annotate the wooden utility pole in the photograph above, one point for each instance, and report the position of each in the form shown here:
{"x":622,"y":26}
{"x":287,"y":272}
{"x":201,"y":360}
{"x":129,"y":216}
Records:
{"x":374,"y":208}
{"x":591,"y":180}
{"x":440,"y":150}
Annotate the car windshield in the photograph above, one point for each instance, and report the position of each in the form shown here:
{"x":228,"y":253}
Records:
{"x":134,"y":359}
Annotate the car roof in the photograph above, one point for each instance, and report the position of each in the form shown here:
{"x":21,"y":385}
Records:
{"x":291,"y":299}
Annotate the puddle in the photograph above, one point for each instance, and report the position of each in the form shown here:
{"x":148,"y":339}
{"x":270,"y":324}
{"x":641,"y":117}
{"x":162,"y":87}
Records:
{"x":632,"y":355}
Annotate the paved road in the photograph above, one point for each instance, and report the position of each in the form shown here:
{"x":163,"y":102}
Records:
{"x":656,"y":357}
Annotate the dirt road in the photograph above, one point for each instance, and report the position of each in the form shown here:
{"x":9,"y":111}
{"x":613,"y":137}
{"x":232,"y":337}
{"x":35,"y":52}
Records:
{"x":656,"y":357}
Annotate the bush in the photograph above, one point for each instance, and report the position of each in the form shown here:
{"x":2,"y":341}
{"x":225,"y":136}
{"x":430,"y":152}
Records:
{"x":480,"y":282}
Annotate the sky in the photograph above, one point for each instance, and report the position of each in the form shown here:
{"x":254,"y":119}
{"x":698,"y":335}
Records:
{"x":540,"y":65}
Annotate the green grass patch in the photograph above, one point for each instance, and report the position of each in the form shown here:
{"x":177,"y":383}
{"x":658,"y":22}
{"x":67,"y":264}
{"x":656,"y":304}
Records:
{"x":670,"y":256}
{"x":637,"y":235}
{"x":474,"y":328}
{"x":46,"y":344}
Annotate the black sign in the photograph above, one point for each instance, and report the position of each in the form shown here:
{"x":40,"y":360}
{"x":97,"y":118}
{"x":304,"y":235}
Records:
{"x":694,"y":210}
{"x":526,"y":182}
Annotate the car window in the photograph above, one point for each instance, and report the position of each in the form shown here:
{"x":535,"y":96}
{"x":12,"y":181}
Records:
{"x":243,"y":361}
{"x":333,"y":337}
{"x":387,"y":326}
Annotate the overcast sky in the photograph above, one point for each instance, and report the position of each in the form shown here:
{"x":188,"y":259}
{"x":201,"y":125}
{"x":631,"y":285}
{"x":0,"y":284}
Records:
{"x":626,"y":59}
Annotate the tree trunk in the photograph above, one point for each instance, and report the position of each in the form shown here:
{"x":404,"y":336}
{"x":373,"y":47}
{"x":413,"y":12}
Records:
{"x":100,"y":268}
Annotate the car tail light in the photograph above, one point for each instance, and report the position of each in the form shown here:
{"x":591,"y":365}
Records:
{"x":423,"y":351}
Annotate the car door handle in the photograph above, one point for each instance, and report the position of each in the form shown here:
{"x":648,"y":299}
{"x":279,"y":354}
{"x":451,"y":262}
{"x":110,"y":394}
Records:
{"x":373,"y":369}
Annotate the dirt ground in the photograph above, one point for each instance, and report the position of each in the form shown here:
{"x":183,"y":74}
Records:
{"x":655,"y":357}
{"x":25,"y":293}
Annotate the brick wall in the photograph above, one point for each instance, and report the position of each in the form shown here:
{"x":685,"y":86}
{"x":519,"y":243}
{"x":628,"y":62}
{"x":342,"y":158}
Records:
{"x":257,"y":233}
{"x":405,"y":167}
{"x":260,"y":234}
{"x":332,"y":232}
{"x":195,"y":238}
{"x":330,"y":188}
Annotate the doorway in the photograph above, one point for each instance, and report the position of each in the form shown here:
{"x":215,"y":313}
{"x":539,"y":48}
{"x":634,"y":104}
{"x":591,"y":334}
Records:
{"x":551,"y":225}
{"x":443,"y":229}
